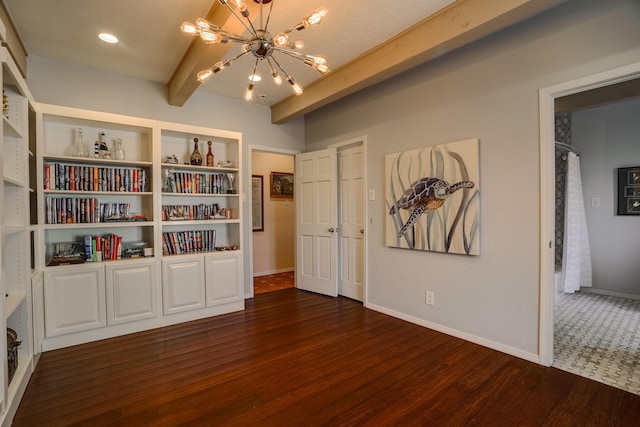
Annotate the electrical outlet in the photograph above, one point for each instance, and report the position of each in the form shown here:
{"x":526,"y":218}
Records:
{"x":429,"y":298}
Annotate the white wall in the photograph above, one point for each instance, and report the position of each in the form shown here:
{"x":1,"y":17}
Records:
{"x":487,"y":90}
{"x":273,"y":248}
{"x":61,"y":83}
{"x":608,"y":138}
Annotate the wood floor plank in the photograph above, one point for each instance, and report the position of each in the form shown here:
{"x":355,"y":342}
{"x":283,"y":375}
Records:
{"x":294,"y":358}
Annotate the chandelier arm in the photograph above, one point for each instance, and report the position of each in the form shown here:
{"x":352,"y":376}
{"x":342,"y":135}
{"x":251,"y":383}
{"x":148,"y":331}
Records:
{"x":232,"y":36}
{"x":297,"y":55}
{"x":238,"y":56}
{"x":255,"y":67}
{"x":280,"y":67}
{"x":266,"y":25}
{"x":249,"y":27}
{"x":228,"y":62}
{"x":270,"y":64}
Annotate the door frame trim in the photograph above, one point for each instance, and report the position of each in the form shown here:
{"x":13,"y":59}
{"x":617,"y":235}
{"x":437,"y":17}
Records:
{"x":362,"y":140}
{"x":547,"y":97}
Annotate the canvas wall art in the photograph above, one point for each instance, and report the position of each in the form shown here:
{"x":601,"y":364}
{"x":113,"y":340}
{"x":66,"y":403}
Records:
{"x":433,"y":198}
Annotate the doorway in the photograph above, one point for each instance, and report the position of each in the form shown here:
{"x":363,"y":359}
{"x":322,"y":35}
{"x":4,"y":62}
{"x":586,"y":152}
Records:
{"x":272,"y":252}
{"x":548,"y":98}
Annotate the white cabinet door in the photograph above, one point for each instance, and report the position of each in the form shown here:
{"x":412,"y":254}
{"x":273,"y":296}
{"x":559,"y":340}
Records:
{"x":74,"y":300}
{"x":131,"y":292}
{"x":183,"y":284}
{"x":224,"y":278}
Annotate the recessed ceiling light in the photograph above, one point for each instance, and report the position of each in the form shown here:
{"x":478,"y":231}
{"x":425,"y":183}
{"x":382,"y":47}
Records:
{"x":254,"y":78}
{"x":108,"y":38}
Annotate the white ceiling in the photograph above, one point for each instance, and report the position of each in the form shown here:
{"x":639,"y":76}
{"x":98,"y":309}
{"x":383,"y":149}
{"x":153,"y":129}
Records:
{"x":151,"y":44}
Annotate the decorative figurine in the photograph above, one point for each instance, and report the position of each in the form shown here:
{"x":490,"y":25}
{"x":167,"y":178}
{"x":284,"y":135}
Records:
{"x":172,"y":159}
{"x":231,"y":177}
{"x":166,"y":184}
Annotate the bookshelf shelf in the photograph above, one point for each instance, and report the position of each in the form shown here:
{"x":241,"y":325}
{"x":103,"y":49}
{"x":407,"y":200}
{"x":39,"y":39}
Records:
{"x":99,"y":225}
{"x":12,"y":302}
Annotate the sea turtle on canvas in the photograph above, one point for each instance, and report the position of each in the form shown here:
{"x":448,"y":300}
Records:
{"x":425,"y":194}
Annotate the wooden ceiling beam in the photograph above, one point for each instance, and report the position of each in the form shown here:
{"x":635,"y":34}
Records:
{"x":200,"y":56}
{"x":461,"y":23}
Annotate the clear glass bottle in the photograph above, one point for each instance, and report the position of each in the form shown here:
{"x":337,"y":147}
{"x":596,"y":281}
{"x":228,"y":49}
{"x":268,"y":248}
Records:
{"x":79,"y":147}
{"x":209,"y":155}
{"x":196,"y":157}
{"x":118,"y":151}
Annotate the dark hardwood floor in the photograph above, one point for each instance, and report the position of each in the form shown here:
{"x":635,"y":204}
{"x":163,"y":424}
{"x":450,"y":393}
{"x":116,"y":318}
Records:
{"x":294,"y":358}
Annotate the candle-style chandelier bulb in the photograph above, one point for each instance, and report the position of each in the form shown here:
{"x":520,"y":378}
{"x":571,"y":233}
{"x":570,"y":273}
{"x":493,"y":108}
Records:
{"x":205,"y":75}
{"x":315,"y":18}
{"x":297,"y":89}
{"x":203,"y":24}
{"x":242,"y":7}
{"x":210,"y":37}
{"x":188,"y":28}
{"x":248,"y":94}
{"x":281,"y":40}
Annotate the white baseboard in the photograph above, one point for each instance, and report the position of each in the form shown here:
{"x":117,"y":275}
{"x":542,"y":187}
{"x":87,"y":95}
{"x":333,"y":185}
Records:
{"x":531,"y":357}
{"x":610,"y":293}
{"x":266,"y":273}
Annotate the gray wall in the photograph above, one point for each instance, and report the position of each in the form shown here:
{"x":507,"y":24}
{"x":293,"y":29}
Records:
{"x":61,"y":83}
{"x":488,"y":90}
{"x":609,"y":138}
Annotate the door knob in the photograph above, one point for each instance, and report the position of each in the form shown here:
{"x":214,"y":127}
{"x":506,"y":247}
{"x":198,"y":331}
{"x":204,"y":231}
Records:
{"x":331,"y":230}
{"x":362,"y":231}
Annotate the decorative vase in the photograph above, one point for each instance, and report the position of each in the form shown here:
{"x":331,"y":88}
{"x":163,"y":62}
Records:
{"x":79,"y":147}
{"x":103,"y":149}
{"x":118,"y":151}
{"x":196,"y":157}
{"x":209,"y":156}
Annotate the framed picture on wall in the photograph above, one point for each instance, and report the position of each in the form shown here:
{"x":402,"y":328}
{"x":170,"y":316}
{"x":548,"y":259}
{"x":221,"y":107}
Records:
{"x":629,"y":191}
{"x":282,"y":185}
{"x":257,"y":202}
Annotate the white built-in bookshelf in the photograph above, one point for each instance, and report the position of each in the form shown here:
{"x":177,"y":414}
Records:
{"x":16,"y":254}
{"x":137,"y":242}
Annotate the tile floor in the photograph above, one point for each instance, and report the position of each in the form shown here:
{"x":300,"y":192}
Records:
{"x":273,"y":282}
{"x":598,"y":337}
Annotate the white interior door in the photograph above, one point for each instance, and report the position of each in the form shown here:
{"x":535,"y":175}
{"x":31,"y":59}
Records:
{"x":352,"y":222}
{"x":316,"y":222}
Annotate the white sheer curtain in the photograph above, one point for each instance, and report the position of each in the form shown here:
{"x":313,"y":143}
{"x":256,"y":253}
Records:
{"x":576,"y":259}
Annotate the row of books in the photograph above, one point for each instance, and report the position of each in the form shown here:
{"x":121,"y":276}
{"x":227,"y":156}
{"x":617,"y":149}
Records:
{"x":191,"y":212}
{"x":187,"y":242}
{"x":85,"y":210}
{"x":60,"y":176}
{"x":99,"y":248}
{"x":195,"y":183}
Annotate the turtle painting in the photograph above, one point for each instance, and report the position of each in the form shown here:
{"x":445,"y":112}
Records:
{"x":423,"y":195}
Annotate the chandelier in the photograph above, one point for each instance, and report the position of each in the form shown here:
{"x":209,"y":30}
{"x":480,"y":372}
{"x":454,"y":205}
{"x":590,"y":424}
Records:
{"x":258,"y":42}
